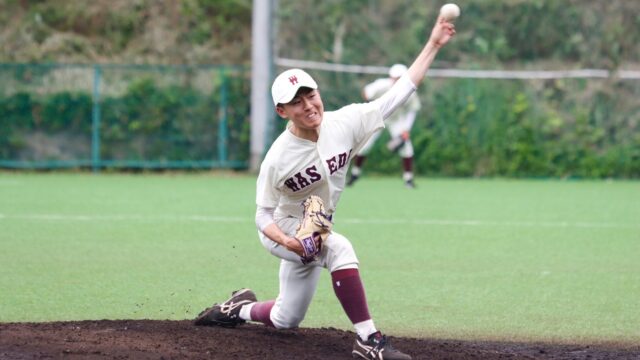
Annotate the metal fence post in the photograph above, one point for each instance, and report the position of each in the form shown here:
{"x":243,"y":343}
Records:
{"x":95,"y":121}
{"x":262,"y":113}
{"x":222,"y":118}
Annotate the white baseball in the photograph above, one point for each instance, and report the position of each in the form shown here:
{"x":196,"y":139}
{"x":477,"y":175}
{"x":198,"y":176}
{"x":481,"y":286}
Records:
{"x":450,"y":11}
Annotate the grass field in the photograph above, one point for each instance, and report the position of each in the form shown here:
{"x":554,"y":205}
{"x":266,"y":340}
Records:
{"x":468,"y":259}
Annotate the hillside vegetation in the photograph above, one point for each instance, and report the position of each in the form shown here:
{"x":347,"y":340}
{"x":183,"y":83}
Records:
{"x":514,"y":33}
{"x":126,"y":31}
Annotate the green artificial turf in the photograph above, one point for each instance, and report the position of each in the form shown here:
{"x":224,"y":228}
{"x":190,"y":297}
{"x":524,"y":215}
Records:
{"x":545,"y":260}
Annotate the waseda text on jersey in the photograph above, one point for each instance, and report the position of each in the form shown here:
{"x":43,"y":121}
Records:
{"x":311,"y":174}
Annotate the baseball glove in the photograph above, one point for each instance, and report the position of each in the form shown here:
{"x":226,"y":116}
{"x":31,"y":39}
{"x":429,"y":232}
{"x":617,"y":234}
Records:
{"x":314,"y":228}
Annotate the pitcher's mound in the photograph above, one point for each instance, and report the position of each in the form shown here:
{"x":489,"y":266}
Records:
{"x":151,"y":339}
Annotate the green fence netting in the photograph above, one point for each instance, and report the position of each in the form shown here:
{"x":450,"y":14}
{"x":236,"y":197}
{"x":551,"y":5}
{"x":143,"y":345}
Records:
{"x":142,"y":116}
{"x":124,"y":116}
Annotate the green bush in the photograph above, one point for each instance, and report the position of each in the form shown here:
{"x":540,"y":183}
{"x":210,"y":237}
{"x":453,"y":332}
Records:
{"x":149,"y":122}
{"x":67,"y":111}
{"x":501,"y":128}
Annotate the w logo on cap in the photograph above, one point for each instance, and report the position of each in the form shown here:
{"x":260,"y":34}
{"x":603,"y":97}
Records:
{"x":286,"y":85}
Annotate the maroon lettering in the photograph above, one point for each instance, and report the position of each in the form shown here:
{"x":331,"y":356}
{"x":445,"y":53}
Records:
{"x":342,"y":160}
{"x":332,"y":165}
{"x":313,"y":174}
{"x":299,"y":181}
{"x":302,"y":181}
{"x":291,"y":184}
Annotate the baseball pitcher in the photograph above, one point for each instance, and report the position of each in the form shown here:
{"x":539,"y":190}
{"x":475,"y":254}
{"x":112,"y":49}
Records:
{"x":298,"y":189}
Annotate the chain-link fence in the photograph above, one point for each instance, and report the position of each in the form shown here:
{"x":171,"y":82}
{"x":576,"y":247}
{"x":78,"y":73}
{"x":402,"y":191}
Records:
{"x":124,"y":116}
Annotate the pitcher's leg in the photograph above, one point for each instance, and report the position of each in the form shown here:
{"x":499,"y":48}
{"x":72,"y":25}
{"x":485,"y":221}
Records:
{"x":298,"y":284}
{"x":341,"y":260}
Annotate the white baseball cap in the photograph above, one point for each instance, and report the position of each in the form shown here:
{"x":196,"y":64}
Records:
{"x":287,"y":84}
{"x":397,"y":70}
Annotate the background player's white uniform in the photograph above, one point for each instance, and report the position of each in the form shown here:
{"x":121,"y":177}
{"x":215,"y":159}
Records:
{"x":399,"y":122}
{"x":399,"y":125}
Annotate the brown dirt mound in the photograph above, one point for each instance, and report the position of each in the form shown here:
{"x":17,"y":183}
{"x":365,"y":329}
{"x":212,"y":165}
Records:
{"x":150,"y":339}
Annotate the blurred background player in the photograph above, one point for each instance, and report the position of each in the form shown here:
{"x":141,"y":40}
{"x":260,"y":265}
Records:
{"x":399,"y":125}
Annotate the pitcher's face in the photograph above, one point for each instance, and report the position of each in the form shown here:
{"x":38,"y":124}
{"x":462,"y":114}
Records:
{"x":305,"y":110}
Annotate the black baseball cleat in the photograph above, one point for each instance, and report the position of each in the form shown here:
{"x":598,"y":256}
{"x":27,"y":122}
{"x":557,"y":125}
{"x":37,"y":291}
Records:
{"x":226,"y":314}
{"x":377,"y":347}
{"x":410,"y":184}
{"x":352,"y":180}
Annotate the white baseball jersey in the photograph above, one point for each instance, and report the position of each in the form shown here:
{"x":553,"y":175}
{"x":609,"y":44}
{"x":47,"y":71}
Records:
{"x":295,"y":168}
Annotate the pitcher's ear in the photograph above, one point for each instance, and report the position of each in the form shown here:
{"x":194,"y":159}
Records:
{"x":281,"y":112}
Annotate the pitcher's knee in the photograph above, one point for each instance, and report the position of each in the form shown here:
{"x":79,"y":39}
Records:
{"x":340,"y":253}
{"x":283,"y":322}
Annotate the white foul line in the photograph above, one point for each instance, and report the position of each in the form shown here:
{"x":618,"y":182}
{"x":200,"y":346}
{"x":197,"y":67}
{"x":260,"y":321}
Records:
{"x":562,"y":224}
{"x":132,"y":217}
{"x":353,"y":221}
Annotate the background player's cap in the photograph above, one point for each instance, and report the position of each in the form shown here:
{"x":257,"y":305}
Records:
{"x":286,"y":85}
{"x":397,"y":70}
